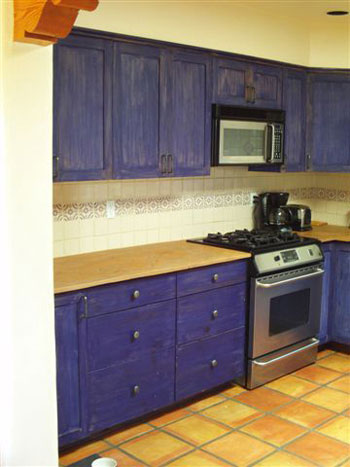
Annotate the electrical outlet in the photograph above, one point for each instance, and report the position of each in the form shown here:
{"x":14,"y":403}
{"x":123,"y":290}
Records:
{"x":252,"y":195}
{"x":110,"y":209}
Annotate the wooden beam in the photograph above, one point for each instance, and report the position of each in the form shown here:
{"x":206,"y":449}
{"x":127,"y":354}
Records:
{"x":43,"y":22}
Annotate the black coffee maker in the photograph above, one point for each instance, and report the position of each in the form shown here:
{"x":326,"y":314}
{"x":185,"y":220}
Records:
{"x":270,"y":211}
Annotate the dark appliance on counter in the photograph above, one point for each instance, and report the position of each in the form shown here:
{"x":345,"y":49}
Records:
{"x":246,"y":136}
{"x":299,"y":217}
{"x":285,"y":300}
{"x":270,"y":210}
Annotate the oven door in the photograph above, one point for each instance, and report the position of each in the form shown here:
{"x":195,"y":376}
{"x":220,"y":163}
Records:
{"x":285,"y":309}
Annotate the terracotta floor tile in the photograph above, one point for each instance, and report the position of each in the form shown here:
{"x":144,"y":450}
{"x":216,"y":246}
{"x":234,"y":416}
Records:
{"x":196,"y":429}
{"x":155,"y":448}
{"x":231,"y":413}
{"x":292,"y":386}
{"x":346,"y":464}
{"x":284,"y":459}
{"x":129,"y":433}
{"x":343,"y":384}
{"x":319,"y":449}
{"x":170,"y":417}
{"x":234,"y":391}
{"x":84,"y":451}
{"x":207,"y":402}
{"x":337,"y":362}
{"x":198,"y":459}
{"x":305,"y":414}
{"x":274,"y":430}
{"x":263,"y":398}
{"x":317,"y":374}
{"x":338,"y":428}
{"x":324,"y":353}
{"x":238,"y":448}
{"x":347,"y":413}
{"x":329,"y":398}
{"x":122,"y":459}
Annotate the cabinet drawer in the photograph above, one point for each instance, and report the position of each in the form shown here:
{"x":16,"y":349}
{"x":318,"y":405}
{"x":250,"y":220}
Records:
{"x":130,"y":294}
{"x":210,"y":313}
{"x":198,"y":280}
{"x":127,"y":335}
{"x":112,"y":393}
{"x":195,"y":363}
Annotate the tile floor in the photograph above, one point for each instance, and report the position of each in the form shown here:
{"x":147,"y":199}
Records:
{"x":301,"y":419}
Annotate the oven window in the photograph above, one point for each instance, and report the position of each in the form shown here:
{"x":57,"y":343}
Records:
{"x":289,"y":311}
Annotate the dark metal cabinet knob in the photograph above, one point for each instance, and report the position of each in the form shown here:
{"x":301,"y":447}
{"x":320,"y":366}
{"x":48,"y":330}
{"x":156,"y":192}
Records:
{"x":214,"y":363}
{"x":215,"y":314}
{"x":136,"y":335}
{"x":136,"y":294}
{"x":215,"y":277}
{"x":136,"y":389}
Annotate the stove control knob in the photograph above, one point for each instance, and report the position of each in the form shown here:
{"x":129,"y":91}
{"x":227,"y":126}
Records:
{"x":214,"y":363}
{"x":277,"y":258}
{"x":215,"y":314}
{"x":215,"y":277}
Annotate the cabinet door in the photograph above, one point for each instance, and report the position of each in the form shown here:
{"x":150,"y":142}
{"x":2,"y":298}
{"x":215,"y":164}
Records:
{"x":138,"y":113}
{"x":294,"y":103}
{"x":267,"y":83}
{"x":230,"y":79}
{"x":340,"y":312}
{"x":326,"y":294}
{"x":82,"y":109}
{"x":329,"y":122}
{"x":69,"y":338}
{"x":190,"y":113}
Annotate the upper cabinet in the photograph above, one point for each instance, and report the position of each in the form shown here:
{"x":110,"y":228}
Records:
{"x":294,"y":104}
{"x":82,"y":110}
{"x":329,"y":122}
{"x":242,"y":83}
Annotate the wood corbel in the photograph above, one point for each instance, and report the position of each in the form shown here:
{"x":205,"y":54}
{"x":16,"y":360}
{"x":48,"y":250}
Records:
{"x":43,"y":22}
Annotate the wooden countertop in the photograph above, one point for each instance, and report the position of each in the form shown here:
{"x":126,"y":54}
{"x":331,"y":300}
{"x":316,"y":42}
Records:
{"x":103,"y":267}
{"x":328,"y":233}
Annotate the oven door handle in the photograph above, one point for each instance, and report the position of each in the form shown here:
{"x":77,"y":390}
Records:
{"x":319,"y":272}
{"x":312,"y":344}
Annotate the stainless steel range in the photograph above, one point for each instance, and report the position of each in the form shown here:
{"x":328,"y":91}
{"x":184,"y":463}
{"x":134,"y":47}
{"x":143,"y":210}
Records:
{"x":285,"y":300}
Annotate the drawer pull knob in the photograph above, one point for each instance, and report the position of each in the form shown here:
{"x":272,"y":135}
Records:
{"x":215,"y":277}
{"x":215,"y":314}
{"x":136,"y":334}
{"x":136,"y":294}
{"x":214,"y":363}
{"x":136,"y":389}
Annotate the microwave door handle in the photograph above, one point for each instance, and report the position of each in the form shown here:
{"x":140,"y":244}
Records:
{"x":269,"y":141}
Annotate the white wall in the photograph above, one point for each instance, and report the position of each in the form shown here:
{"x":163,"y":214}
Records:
{"x":28,"y":395}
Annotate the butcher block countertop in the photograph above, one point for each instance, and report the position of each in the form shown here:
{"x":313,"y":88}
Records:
{"x":328,"y":233}
{"x":104,"y":267}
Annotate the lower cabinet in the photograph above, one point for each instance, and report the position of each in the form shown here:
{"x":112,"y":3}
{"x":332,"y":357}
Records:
{"x":119,"y":358}
{"x":339,"y":315}
{"x":326,"y":293}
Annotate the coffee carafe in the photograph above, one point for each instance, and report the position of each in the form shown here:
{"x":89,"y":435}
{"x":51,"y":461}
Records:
{"x":270,"y":210}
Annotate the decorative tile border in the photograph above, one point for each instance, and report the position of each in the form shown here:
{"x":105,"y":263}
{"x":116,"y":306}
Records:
{"x":134,"y":206}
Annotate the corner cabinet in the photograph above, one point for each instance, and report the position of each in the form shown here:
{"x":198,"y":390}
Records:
{"x":329,"y":122}
{"x":127,"y":110}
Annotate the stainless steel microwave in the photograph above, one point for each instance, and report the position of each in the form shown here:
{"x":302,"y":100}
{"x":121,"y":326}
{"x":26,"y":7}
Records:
{"x":245,"y":136}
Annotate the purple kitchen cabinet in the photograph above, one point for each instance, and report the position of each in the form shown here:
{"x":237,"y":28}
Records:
{"x":328,"y":139}
{"x":129,"y":390}
{"x":69,"y":327}
{"x":328,"y":252}
{"x":339,"y":314}
{"x":267,"y":84}
{"x":82,"y":109}
{"x":204,"y":364}
{"x":188,"y":110}
{"x":211,"y":313}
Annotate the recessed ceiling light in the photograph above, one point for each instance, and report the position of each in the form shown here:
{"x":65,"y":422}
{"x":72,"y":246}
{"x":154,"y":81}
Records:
{"x":337,"y":12}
